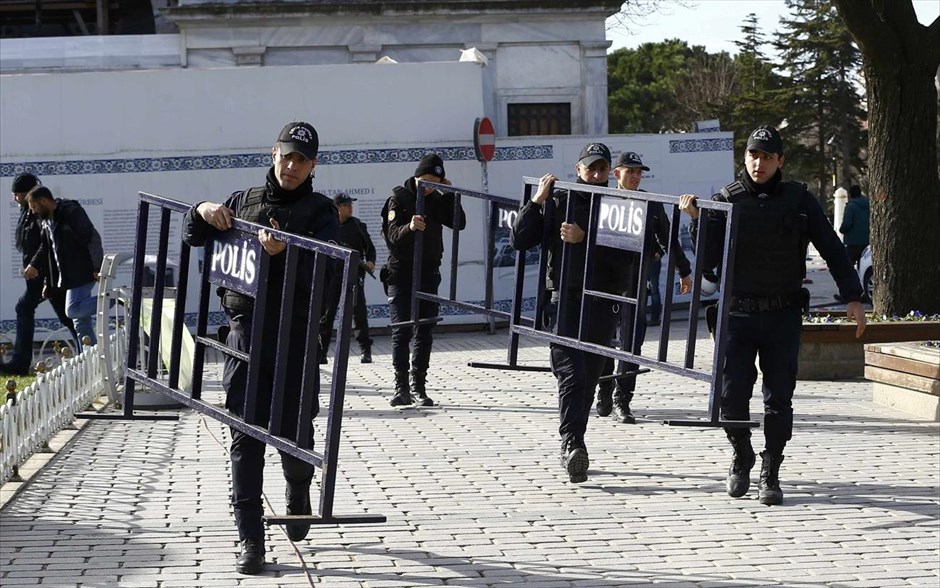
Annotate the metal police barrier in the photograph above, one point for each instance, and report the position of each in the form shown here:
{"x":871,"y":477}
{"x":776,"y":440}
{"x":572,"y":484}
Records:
{"x":494,"y":204}
{"x":618,"y":220}
{"x":234,"y":260}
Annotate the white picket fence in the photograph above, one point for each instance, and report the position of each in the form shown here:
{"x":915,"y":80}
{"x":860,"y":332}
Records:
{"x":49,"y":404}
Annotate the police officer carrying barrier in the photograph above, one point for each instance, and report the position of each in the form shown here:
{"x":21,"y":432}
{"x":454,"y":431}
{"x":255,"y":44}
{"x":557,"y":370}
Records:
{"x":286,"y":202}
{"x":614,"y":396}
{"x":399,"y":223}
{"x":354,"y":235}
{"x":777,"y":220}
{"x":576,"y":371}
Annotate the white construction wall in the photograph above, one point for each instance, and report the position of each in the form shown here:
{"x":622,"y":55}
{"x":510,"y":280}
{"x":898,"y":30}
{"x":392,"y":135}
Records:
{"x":194,"y":134}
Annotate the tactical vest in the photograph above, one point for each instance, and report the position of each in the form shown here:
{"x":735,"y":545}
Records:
{"x":293,"y":217}
{"x":770,"y":254}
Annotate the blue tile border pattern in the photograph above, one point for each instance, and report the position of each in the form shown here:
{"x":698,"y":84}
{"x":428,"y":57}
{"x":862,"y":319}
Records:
{"x":8,"y":327}
{"x":260,"y":160}
{"x":701,"y":145}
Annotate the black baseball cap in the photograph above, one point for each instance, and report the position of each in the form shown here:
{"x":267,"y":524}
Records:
{"x":594,"y":152}
{"x":630,"y":159}
{"x":766,"y":139}
{"x":342,"y":198}
{"x":299,"y":137}
{"x":24,"y":183}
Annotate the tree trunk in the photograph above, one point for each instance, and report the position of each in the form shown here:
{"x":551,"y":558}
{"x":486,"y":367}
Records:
{"x":901,"y":57}
{"x":904,"y":187}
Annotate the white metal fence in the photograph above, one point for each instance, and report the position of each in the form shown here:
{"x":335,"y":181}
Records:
{"x":30,"y":419}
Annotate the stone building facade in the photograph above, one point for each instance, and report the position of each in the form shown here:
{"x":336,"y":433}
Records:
{"x":546,"y":60}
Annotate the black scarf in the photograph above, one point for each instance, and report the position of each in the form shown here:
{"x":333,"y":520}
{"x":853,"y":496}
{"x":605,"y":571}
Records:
{"x":769,"y":187}
{"x":278,"y":195}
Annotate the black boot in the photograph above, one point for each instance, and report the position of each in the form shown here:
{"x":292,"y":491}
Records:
{"x":251,"y":557}
{"x":402,"y":395}
{"x":574,"y":458}
{"x":605,"y":392}
{"x":298,"y":503}
{"x":739,"y":474}
{"x":366,"y":355}
{"x":768,"y":487}
{"x":418,"y":380}
{"x":621,"y":412}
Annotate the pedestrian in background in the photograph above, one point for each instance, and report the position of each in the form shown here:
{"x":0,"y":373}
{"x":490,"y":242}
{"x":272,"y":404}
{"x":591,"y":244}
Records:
{"x":28,"y":242}
{"x":855,"y":226}
{"x":72,"y":253}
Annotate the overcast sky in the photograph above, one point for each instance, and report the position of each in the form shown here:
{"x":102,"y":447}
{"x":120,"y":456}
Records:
{"x":717,"y":23}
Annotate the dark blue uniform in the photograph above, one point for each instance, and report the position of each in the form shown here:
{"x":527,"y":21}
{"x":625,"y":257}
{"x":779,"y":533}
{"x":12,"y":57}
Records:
{"x":439,"y":212}
{"x":577,"y":372}
{"x":300,"y":211}
{"x":354,"y":235}
{"x":777,"y":221}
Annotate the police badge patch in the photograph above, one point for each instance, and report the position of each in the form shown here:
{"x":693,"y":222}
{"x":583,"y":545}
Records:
{"x":391,"y":215}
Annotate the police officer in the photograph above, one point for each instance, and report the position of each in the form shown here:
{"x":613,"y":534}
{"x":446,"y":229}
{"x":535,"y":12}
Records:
{"x":353,"y":234}
{"x":287,"y":202}
{"x":576,"y":371}
{"x":28,"y":242}
{"x":399,"y":223}
{"x":777,"y":219}
{"x":614,"y":396}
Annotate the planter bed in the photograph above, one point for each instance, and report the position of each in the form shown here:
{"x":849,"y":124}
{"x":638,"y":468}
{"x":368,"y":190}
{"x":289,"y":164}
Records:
{"x":830,"y":351}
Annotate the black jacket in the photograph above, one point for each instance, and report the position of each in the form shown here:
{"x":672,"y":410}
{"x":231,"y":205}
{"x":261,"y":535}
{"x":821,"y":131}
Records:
{"x":612,"y":274}
{"x":72,"y":253}
{"x":354,"y":234}
{"x":817,"y":230}
{"x":396,"y":216}
{"x":29,"y":239}
{"x":319,"y":221}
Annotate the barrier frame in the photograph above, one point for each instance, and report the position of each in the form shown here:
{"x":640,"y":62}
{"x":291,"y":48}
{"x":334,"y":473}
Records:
{"x":325,"y":461}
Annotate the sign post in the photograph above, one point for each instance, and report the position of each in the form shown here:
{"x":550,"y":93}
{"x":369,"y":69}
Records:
{"x":484,"y":145}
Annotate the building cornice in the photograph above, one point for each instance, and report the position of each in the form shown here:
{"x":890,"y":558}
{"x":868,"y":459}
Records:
{"x":259,"y":10}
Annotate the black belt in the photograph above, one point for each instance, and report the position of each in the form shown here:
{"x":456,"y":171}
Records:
{"x":765,"y":303}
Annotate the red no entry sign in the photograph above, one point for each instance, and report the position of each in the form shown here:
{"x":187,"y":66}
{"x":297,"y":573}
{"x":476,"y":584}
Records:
{"x":484,"y":139}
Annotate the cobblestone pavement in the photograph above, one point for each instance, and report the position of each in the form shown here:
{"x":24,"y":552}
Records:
{"x":475,"y":495}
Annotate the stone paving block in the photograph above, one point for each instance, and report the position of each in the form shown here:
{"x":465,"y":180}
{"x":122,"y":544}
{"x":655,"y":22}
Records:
{"x":475,"y":495}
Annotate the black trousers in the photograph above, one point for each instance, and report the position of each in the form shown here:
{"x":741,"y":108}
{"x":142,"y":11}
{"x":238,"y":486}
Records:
{"x":854,"y":253}
{"x":247,"y":453}
{"x":627,"y":384}
{"x":360,"y":313}
{"x":577,"y":371}
{"x":399,"y":308}
{"x":774,"y":336}
{"x":26,"y":320}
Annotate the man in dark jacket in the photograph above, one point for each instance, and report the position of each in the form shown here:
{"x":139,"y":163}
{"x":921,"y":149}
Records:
{"x":777,"y":220}
{"x":352,"y":234}
{"x":576,"y":371}
{"x":399,"y":224}
{"x":286,"y":202}
{"x":71,"y":250}
{"x":28,"y":242}
{"x":855,"y":225}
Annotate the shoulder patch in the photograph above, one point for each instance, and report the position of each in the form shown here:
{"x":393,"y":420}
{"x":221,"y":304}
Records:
{"x":391,"y":215}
